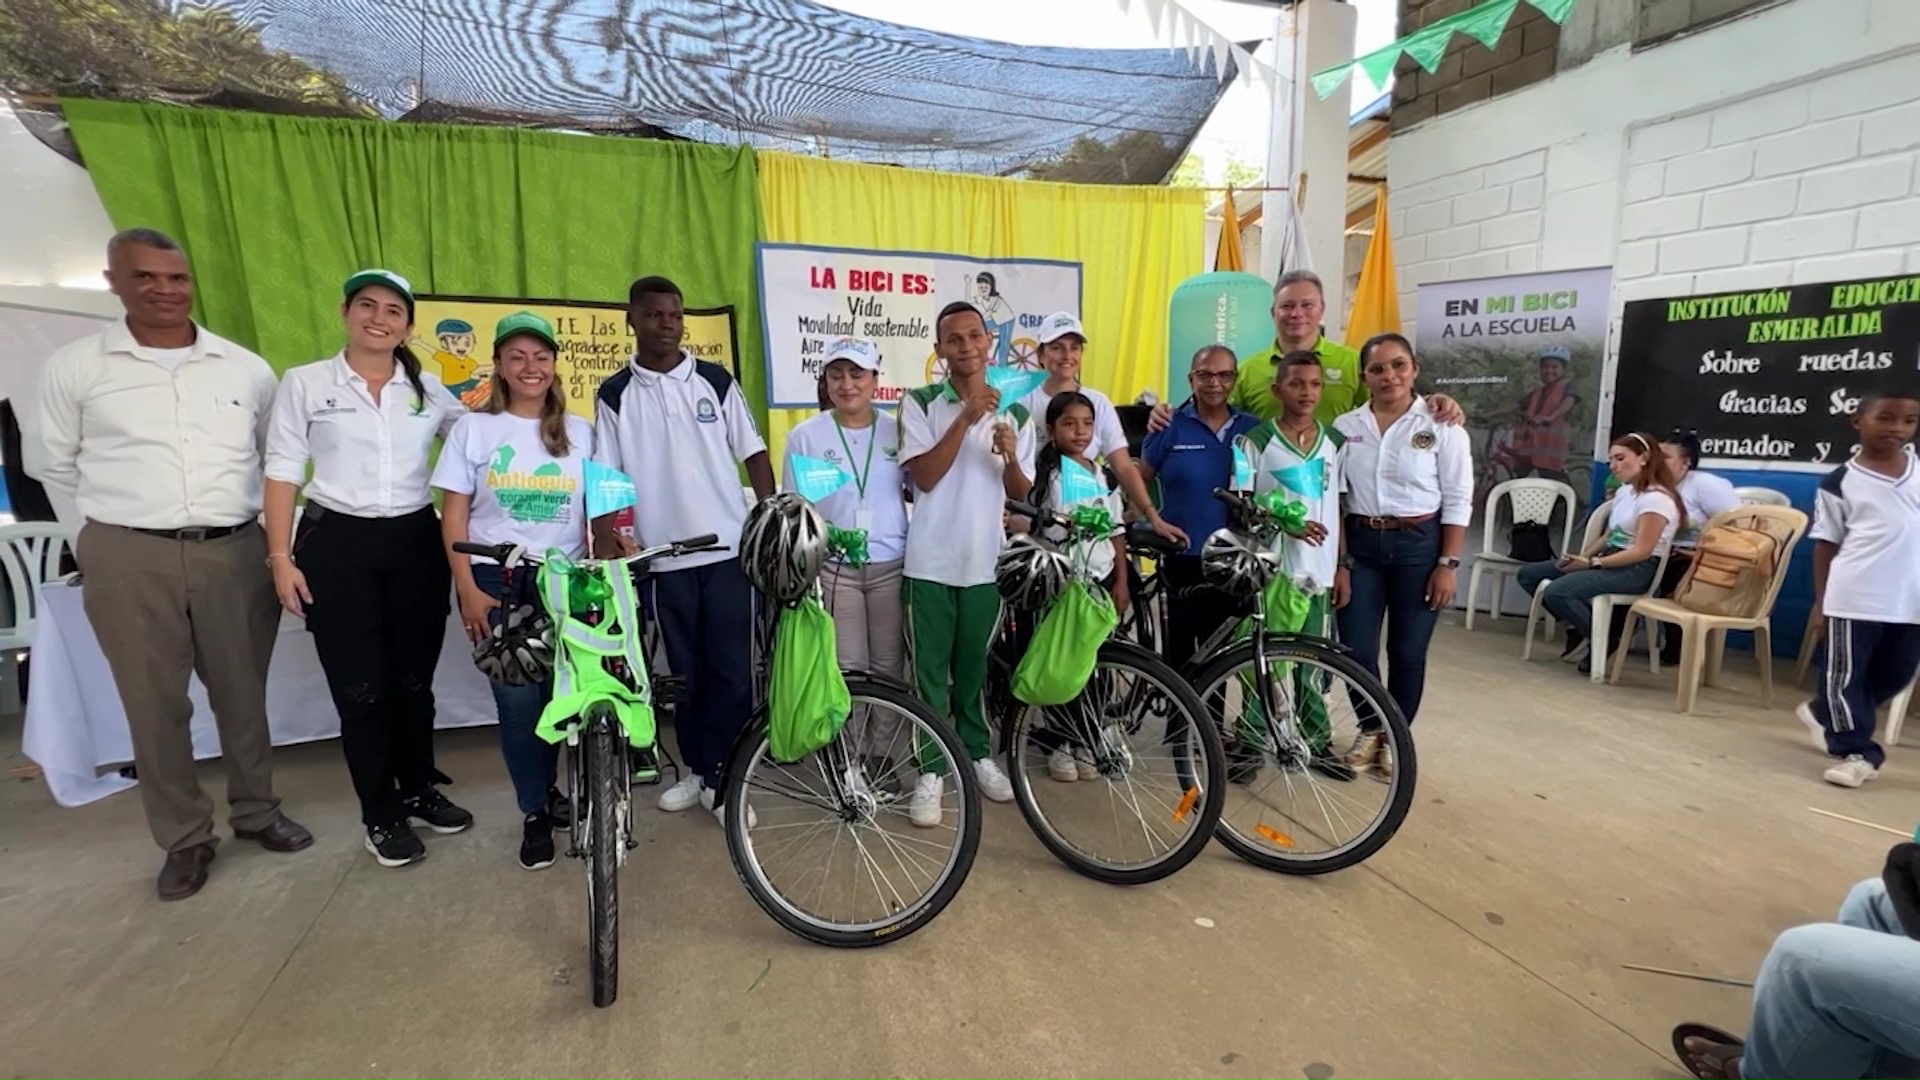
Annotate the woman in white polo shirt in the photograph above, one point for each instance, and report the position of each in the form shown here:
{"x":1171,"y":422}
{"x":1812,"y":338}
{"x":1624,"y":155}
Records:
{"x":1409,"y":496}
{"x":1642,"y":517}
{"x":365,"y":567}
{"x":511,"y":474}
{"x":864,"y":443}
{"x":1702,"y":495}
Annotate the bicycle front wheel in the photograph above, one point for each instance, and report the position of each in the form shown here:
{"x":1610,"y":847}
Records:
{"x":1124,"y":783}
{"x":1319,"y":757}
{"x":603,"y":759}
{"x":865,"y":840}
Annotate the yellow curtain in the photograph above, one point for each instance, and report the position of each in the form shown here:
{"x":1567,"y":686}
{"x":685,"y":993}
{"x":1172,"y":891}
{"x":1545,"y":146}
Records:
{"x":1134,"y":244}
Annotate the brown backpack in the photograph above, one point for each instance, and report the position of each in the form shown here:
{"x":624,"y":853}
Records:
{"x":1733,"y":567}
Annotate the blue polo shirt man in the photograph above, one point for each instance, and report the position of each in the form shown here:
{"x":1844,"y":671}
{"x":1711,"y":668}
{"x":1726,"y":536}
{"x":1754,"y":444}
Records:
{"x":1190,"y":457}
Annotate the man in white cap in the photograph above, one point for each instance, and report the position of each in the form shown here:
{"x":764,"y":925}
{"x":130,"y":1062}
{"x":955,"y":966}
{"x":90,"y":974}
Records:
{"x":1062,"y":341}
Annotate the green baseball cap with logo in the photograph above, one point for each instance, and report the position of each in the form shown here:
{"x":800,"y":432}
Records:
{"x":385,"y":278}
{"x":525,"y":322}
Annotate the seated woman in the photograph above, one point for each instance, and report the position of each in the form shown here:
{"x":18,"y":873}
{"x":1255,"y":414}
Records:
{"x":1702,"y":495}
{"x":1644,"y":514}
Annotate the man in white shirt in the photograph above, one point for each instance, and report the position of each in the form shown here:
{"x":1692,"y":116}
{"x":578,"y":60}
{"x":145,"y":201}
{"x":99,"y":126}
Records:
{"x":154,"y":426}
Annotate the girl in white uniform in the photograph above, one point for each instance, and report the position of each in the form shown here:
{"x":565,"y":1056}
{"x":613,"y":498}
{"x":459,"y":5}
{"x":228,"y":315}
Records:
{"x":511,"y":474}
{"x":365,"y":567}
{"x":1702,"y":495}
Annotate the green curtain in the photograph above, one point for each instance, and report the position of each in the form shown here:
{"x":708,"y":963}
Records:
{"x":276,"y":211}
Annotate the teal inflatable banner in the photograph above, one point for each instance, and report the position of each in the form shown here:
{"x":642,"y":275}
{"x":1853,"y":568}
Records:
{"x":1227,"y":307}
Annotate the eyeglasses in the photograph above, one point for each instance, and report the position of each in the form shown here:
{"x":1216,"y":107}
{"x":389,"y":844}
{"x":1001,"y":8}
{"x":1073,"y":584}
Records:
{"x":1212,"y":376}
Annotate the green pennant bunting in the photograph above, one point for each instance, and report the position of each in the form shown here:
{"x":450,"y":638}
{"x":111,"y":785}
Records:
{"x":1483,"y":22}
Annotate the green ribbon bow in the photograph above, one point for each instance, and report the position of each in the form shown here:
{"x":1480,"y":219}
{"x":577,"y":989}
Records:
{"x":1093,"y":519}
{"x":1289,"y":514}
{"x":849,"y":544}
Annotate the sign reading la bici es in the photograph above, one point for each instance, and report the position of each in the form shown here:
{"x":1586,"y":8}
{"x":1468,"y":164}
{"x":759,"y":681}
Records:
{"x":1768,"y":376}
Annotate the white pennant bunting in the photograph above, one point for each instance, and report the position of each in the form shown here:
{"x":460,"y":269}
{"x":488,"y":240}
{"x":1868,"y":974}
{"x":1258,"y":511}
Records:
{"x":1157,"y":13}
{"x":1217,"y":45}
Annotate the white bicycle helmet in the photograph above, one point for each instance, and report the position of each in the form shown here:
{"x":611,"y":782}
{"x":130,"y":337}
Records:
{"x":519,"y":650}
{"x":1235,"y":565}
{"x":783,"y":546}
{"x":1030,"y":574}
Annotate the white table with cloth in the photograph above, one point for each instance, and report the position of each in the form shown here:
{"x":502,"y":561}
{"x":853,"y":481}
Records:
{"x":76,"y":727}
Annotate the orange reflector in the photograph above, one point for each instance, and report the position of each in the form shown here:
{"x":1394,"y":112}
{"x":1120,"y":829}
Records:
{"x":1274,"y":835}
{"x":1186,"y":804}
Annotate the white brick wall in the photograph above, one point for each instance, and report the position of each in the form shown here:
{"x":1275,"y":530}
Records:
{"x":1480,"y":222}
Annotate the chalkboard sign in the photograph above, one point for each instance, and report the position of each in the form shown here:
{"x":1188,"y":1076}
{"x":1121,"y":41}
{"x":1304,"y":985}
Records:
{"x":1767,"y":376}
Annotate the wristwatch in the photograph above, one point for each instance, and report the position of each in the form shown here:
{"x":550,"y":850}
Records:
{"x":1451,"y":562}
{"x":1346,"y":562}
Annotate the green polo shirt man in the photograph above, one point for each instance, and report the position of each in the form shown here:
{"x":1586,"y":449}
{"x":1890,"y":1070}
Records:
{"x":1341,"y":387}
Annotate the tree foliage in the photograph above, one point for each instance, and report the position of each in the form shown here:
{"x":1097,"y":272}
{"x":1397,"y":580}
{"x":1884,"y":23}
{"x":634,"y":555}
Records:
{"x":143,"y":49}
{"x":1138,"y":157}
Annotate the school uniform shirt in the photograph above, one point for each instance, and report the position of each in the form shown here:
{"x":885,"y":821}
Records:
{"x":1626,"y":509}
{"x":150,"y":438}
{"x":1418,"y":466}
{"x":1108,"y":435}
{"x":1098,"y":552}
{"x":520,"y":493}
{"x":874,"y":496}
{"x":1875,"y":576}
{"x":369,"y":459}
{"x":1190,"y":458}
{"x":1312,"y":476}
{"x":681,"y":435}
{"x":956,"y":532}
{"x":1702,"y":495}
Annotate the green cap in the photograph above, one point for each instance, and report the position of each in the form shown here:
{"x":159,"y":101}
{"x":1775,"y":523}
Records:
{"x":525,"y":322}
{"x":386,"y":278}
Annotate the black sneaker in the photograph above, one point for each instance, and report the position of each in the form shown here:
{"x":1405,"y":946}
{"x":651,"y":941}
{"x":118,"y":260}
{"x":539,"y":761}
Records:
{"x":432,"y":809}
{"x":644,"y":765}
{"x":1324,"y":763}
{"x":395,"y":844}
{"x":536,"y":842}
{"x":1576,"y":646}
{"x":1243,"y":765}
{"x":559,"y":809}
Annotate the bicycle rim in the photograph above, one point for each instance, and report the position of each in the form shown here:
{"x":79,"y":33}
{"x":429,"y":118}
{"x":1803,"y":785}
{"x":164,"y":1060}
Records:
{"x":829,"y":849}
{"x":1148,"y":771}
{"x":604,"y":847}
{"x":1308,"y":791}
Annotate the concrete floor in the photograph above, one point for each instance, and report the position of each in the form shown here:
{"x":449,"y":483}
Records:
{"x":1560,"y":830}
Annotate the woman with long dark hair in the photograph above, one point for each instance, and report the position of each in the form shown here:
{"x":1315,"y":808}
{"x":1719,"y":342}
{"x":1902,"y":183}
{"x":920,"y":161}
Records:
{"x":365,"y":566}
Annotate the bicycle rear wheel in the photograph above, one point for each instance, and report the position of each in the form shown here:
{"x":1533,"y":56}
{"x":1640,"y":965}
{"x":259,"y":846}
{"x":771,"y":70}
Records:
{"x":833,"y":846}
{"x":1294,"y":803}
{"x":1149,"y":776}
{"x":603,"y":760}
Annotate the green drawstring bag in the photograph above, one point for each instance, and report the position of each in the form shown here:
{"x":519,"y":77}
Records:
{"x":1286,"y":609}
{"x":1065,"y":645}
{"x":1285,"y":605}
{"x":807,"y":699}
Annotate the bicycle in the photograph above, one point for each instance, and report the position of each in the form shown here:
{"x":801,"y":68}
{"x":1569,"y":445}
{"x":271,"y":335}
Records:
{"x":1275,"y":697}
{"x":1152,"y":762}
{"x":600,"y":758}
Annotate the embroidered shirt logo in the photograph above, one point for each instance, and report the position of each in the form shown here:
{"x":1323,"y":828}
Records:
{"x":1423,"y":440}
{"x":705,"y":412}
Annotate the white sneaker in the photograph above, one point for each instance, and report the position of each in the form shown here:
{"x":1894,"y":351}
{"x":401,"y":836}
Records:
{"x":720,"y":812}
{"x":1816,"y":732}
{"x":928,"y":793}
{"x":1083,"y":764}
{"x":1060,"y":766}
{"x":994,"y":784}
{"x":683,"y":795}
{"x":1852,"y":772}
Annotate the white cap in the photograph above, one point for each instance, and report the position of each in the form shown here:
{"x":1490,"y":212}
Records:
{"x":1059,"y":325}
{"x":856,"y":351}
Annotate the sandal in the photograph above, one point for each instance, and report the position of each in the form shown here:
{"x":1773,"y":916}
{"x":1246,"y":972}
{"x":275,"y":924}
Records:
{"x":1718,"y":1060}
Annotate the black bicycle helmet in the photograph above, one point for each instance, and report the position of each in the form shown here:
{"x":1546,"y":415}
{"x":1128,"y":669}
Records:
{"x":1236,"y":565}
{"x":1029,"y":574}
{"x":519,"y":650}
{"x":783,"y":546}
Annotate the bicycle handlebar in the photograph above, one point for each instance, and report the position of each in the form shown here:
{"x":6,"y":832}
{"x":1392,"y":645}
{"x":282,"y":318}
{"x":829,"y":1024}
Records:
{"x":514,"y":554}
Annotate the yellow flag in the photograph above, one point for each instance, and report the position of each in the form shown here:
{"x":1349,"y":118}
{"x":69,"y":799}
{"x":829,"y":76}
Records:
{"x":1226,"y":255}
{"x":1376,"y":299}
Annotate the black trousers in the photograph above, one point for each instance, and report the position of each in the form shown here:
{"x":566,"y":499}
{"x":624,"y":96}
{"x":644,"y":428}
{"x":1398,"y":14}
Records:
{"x":1194,"y":609}
{"x":1677,"y":565}
{"x":381,"y":592}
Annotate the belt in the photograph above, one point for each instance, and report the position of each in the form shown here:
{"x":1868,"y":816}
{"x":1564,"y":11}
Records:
{"x":194,"y":534}
{"x":1390,"y":523}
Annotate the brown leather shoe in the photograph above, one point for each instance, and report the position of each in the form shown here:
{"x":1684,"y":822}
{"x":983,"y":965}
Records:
{"x":185,"y":872}
{"x":282,"y":834}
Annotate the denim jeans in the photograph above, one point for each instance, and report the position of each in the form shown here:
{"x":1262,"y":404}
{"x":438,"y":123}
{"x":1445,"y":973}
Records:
{"x":1389,"y":584}
{"x":1570,"y":593}
{"x":531,"y":760}
{"x":1839,"y":1000}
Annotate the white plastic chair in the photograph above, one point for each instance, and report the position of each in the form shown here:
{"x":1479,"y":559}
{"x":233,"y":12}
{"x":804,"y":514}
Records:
{"x":1897,"y":715}
{"x":32,"y":557}
{"x":1762,"y":496}
{"x":1529,"y":501}
{"x":1600,"y":631}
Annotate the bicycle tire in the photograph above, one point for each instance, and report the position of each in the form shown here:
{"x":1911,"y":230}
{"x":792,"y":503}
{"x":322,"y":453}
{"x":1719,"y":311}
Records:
{"x":602,"y":753}
{"x":1212,"y":787}
{"x":1406,"y":765}
{"x":859,"y":688}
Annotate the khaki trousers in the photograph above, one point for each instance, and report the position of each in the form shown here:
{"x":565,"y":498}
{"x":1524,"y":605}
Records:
{"x":869,"y":635}
{"x":162,"y":611}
